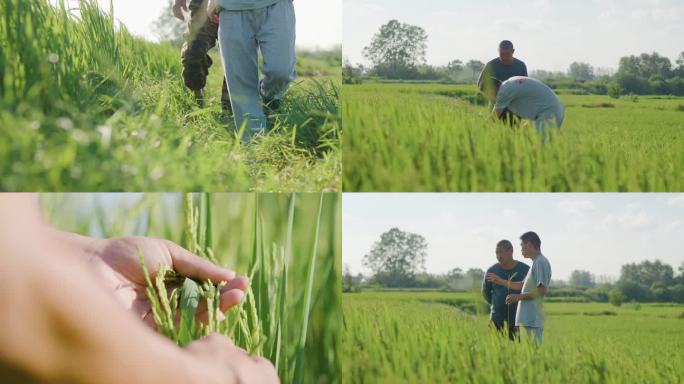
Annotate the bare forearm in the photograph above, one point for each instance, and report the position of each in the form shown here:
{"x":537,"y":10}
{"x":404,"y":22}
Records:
{"x":537,"y":292}
{"x":76,"y":333}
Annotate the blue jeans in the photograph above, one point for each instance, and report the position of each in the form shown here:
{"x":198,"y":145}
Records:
{"x":535,"y":332}
{"x":242,"y":34}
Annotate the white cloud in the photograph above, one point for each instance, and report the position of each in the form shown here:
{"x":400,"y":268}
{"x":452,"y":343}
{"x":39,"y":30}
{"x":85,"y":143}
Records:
{"x":634,"y":219}
{"x":576,"y":207}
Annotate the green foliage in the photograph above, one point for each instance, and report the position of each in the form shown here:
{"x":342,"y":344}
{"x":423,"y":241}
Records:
{"x":397,"y":257}
{"x":430,"y":337}
{"x":424,"y":137}
{"x":397,"y":49}
{"x":615,"y":297}
{"x":77,"y":91}
{"x":287,"y":244}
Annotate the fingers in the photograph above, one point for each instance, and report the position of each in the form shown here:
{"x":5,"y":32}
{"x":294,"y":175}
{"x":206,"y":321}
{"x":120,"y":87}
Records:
{"x":193,"y":266}
{"x":179,"y":7}
{"x":231,"y":295}
{"x":219,"y":351}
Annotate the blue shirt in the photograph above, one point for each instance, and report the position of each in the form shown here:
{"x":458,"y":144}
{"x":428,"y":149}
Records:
{"x":495,"y":294}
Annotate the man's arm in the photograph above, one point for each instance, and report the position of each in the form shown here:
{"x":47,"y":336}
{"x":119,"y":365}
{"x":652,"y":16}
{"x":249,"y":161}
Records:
{"x":515,"y":285}
{"x":539,"y":291}
{"x":487,"y":290}
{"x":503,"y":99}
{"x":59,"y":324}
{"x":482,"y":79}
{"x":179,"y":7}
{"x":524,"y":71}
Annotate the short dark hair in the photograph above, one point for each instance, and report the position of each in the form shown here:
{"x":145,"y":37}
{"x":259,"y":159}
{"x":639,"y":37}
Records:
{"x":532,"y":238}
{"x":504,"y":244}
{"x":505,"y":44}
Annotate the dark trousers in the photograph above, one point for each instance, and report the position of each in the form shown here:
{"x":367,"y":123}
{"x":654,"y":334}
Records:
{"x":202,"y":37}
{"x":503,"y":326}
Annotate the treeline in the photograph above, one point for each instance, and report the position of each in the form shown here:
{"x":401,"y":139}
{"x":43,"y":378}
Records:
{"x":648,"y":281}
{"x":637,"y":75}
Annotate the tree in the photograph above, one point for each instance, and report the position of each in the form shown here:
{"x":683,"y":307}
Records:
{"x":455,"y":280}
{"x":615,"y":297}
{"x":582,"y":279}
{"x":397,"y":49}
{"x":397,"y":257}
{"x":454,"y":69}
{"x":633,"y":291}
{"x":475,"y":276}
{"x":679,"y":70}
{"x":475,"y":67}
{"x":347,"y":279}
{"x":655,"y":65}
{"x":614,"y":89}
{"x":581,"y":71}
{"x":168,"y":28}
{"x":647,"y":273}
{"x":351,"y":74}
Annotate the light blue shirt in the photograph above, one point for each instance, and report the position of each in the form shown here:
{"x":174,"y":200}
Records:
{"x":244,"y":5}
{"x":531,"y":312}
{"x":530,"y":99}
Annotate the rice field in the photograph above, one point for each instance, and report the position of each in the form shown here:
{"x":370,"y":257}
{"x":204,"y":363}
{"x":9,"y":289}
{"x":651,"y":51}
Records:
{"x":437,"y":137}
{"x":440,"y":337}
{"x":86,"y":106}
{"x":288,"y":244}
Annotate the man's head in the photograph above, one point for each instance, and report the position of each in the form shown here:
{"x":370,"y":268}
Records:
{"x":506,"y":52}
{"x":504,"y":251}
{"x":530,"y":244}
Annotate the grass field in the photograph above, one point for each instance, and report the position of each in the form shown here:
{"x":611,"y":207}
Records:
{"x":439,"y":337}
{"x":85,"y":106}
{"x":288,"y":244}
{"x":435,"y":137}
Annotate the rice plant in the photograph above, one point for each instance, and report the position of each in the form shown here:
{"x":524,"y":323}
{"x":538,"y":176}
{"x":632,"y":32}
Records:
{"x":444,"y":337}
{"x":287,"y":244}
{"x":437,"y":137}
{"x":76,"y":89}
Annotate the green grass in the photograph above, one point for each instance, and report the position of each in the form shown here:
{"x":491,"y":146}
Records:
{"x":435,"y":137}
{"x":288,"y":244}
{"x":421,"y":337}
{"x":86,"y":106}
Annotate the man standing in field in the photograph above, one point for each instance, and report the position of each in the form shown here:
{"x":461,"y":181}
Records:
{"x":245,"y":28}
{"x":202,"y":36}
{"x":530,"y":313}
{"x":497,"y":285}
{"x":500,"y":69}
{"x":531,"y":100}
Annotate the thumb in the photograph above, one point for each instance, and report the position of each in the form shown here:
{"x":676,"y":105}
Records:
{"x":190,"y":265}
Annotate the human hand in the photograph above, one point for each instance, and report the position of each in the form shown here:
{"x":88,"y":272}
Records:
{"x":118,"y":262}
{"x":217,"y":357}
{"x":513,"y":298}
{"x":493,"y":278}
{"x":179,"y":7}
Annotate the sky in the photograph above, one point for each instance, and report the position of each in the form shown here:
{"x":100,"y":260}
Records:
{"x":319,"y":22}
{"x":593,"y":232}
{"x":547,"y":34}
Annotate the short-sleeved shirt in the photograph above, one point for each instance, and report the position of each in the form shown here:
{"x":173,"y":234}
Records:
{"x":244,"y":5}
{"x":531,"y":312}
{"x":495,"y":294}
{"x":495,"y":72}
{"x":530,"y":99}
